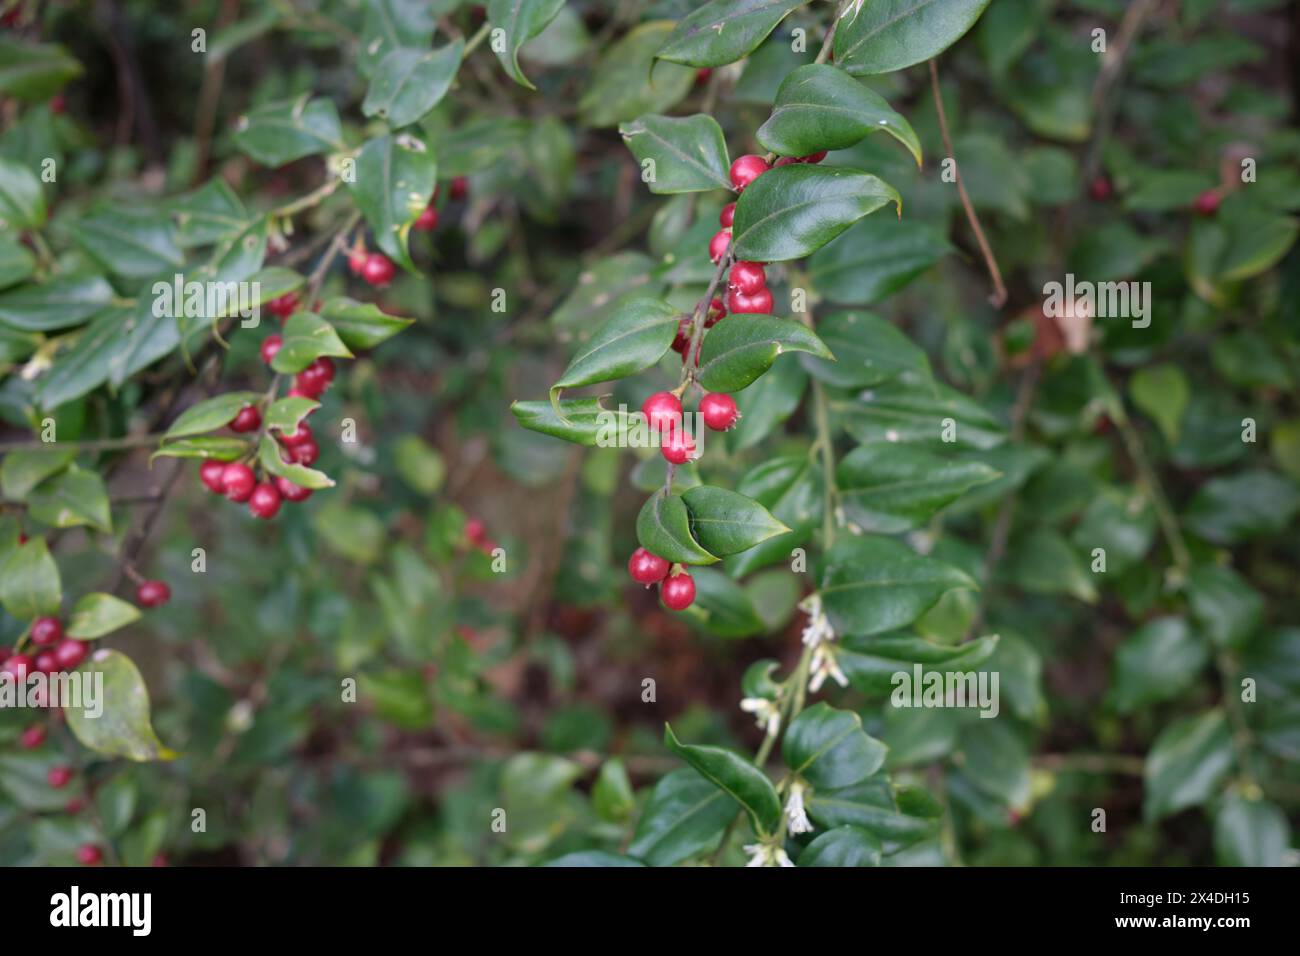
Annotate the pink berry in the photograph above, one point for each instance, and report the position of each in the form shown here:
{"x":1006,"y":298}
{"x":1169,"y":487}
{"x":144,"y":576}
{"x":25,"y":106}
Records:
{"x":153,"y":593}
{"x":747,"y":277}
{"x":237,"y":481}
{"x":59,"y":777}
{"x":378,"y":269}
{"x":264,"y":502}
{"x":719,"y":411}
{"x":760,"y":303}
{"x":746,"y":169}
{"x":291,"y":492}
{"x":728,"y":215}
{"x":70,"y":652}
{"x":46,"y":631}
{"x":89,"y":855}
{"x":719,"y":244}
{"x":678,"y":447}
{"x":678,"y":591}
{"x":646,"y":568}
{"x":662,"y":411}
{"x":32,"y":737}
{"x":1207,"y":203}
{"x":427,"y":220}
{"x":249,"y":419}
{"x":210,"y":473}
{"x":270,"y":346}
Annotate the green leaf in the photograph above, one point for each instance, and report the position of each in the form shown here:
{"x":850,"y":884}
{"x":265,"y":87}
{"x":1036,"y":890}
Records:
{"x":268,"y":454}
{"x":1224,"y":605}
{"x":868,"y":351}
{"x":1186,"y":764}
{"x":768,"y":402}
{"x":897,"y":818}
{"x":392,"y":24}
{"x":724,"y":31}
{"x":22,"y":202}
{"x":996,"y":761}
{"x":722,"y":607}
{"x":361,"y":325}
{"x":889,"y":35}
{"x":208,"y":214}
{"x":602,"y":288}
{"x":829,"y":748}
{"x":137,"y":244}
{"x":278,"y":133}
{"x":521,"y":20}
{"x":1158,"y":662}
{"x":688,"y":152}
{"x":724,"y":522}
{"x":822,"y":107}
{"x":629,"y":82}
{"x":70,"y":499}
{"x":874,"y":259}
{"x":410,"y":82}
{"x":911,"y":411}
{"x":62,"y":302}
{"x":29,"y":582}
{"x":871,"y":663}
{"x":664,"y":528}
{"x":684,"y":817}
{"x":218,"y":449}
{"x":889,"y":488}
{"x":97,"y":614}
{"x":284,"y":414}
{"x":611,"y":794}
{"x":592,"y":858}
{"x":353,"y":533}
{"x":741,"y":348}
{"x":1243,"y":506}
{"x":210,"y":414}
{"x":124,"y":728}
{"x":580,"y":420}
{"x":34,"y":72}
{"x":792,"y":211}
{"x":21,"y":471}
{"x":636,"y":337}
{"x":307,"y":337}
{"x":843,"y":846}
{"x":736,"y":777}
{"x":790,"y":488}
{"x":16,"y":263}
{"x":1161,"y":392}
{"x":535,"y":788}
{"x":419,"y":464}
{"x":1250,"y":832}
{"x":871,"y":585}
{"x":394,"y":182}
{"x":1043,"y":562}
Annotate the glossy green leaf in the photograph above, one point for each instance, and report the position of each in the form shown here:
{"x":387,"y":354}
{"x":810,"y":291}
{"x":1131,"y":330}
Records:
{"x":278,"y":133}
{"x":21,"y":471}
{"x":741,"y":348}
{"x":874,"y":259}
{"x":688,"y":152}
{"x":829,"y":748}
{"x":97,"y":614}
{"x":736,"y":777}
{"x":897,"y":817}
{"x":1161,"y":392}
{"x":408,"y":83}
{"x":868,"y":351}
{"x":889,"y":35}
{"x":637,"y":335}
{"x":1250,"y":832}
{"x":307,"y":337}
{"x":1157,"y":662}
{"x":133,"y":243}
{"x":871,"y":585}
{"x":1186,"y":763}
{"x":208,"y":214}
{"x":210,"y":414}
{"x":29,"y":582}
{"x":722,"y":607}
{"x":395,"y":177}
{"x":842,"y":846}
{"x":392,"y":24}
{"x":72,"y":498}
{"x":583,"y":421}
{"x":767,"y":402}
{"x":33,"y":72}
{"x":1243,"y":506}
{"x":1225,"y":607}
{"x":888,"y":488}
{"x":521,"y":20}
{"x":284,"y":414}
{"x":792,"y":211}
{"x":910,"y":411}
{"x":611,"y":794}
{"x":22,"y":202}
{"x":216,"y":448}
{"x":685,"y":816}
{"x":124,"y":728}
{"x":62,"y":302}
{"x":268,"y":455}
{"x":790,"y":488}
{"x":724,"y":31}
{"x":663,"y":527}
{"x":16,"y":263}
{"x":1043,"y":562}
{"x":629,"y":81}
{"x":871,"y":663}
{"x":419,"y":464}
{"x":361,"y":325}
{"x":725,"y":522}
{"x":821,"y":107}
{"x":601,"y":289}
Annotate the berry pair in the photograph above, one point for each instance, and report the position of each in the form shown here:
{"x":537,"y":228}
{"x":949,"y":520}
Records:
{"x":676,"y":590}
{"x":373,"y":267}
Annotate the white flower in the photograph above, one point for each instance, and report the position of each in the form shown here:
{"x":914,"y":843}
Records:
{"x":818,"y":628}
{"x":796,"y":817}
{"x":766,"y":714}
{"x":766,"y":854}
{"x":823,"y":666}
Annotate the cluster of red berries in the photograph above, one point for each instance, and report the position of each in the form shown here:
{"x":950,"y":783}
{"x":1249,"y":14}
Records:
{"x":375,"y":267}
{"x":663,"y":413}
{"x":676,"y":586}
{"x":54,"y":652}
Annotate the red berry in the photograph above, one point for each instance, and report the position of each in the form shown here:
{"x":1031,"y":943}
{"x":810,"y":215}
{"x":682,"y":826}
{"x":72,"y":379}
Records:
{"x":647,"y":568}
{"x":662,"y":411}
{"x":719,"y":411}
{"x":459,"y":187}
{"x":17,"y":665}
{"x":70,"y":652}
{"x":89,"y":855}
{"x":683,"y":337}
{"x":249,"y":419}
{"x":787,"y":161}
{"x":32,"y":737}
{"x":160,"y":859}
{"x":307,"y":385}
{"x":305,"y":453}
{"x":284,"y":306}
{"x":816,"y":157}
{"x":46,"y":662}
{"x":747,"y":277}
{"x":264,"y":502}
{"x":728,"y":215}
{"x":717,"y":311}
{"x":746,"y":169}
{"x":719,"y":244}
{"x":59,"y":777}
{"x":210,"y":473}
{"x":270,"y":345}
{"x":237,"y":481}
{"x":760,"y":303}
{"x":291,"y":492}
{"x":57,"y":103}
{"x":1207,"y":203}
{"x":357,"y":261}
{"x":378,"y":269}
{"x":702,"y":75}
{"x":427,"y":220}
{"x":475,"y":530}
{"x":153,"y":593}
{"x":1100,"y":189}
{"x":678,"y":591}
{"x":74,"y":806}
{"x":678,"y":447}
{"x":46,"y":630}
{"x":300,"y":435}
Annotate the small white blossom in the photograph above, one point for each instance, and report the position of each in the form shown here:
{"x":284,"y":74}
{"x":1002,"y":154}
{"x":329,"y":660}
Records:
{"x":824,"y":665}
{"x":766,"y":854}
{"x":796,"y":817}
{"x":766,"y":714}
{"x":818,"y":628}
